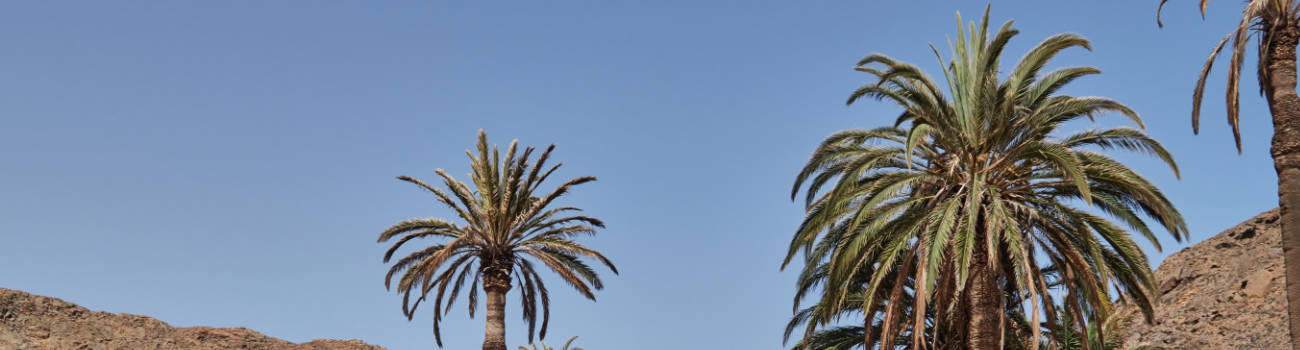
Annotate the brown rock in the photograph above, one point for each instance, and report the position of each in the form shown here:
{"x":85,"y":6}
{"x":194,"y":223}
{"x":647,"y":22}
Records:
{"x":33,"y":322}
{"x":1223,"y":293}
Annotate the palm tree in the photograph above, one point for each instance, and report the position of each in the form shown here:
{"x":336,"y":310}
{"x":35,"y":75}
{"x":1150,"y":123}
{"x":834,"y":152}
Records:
{"x":505,"y":224}
{"x":972,"y":188}
{"x":1277,"y":25}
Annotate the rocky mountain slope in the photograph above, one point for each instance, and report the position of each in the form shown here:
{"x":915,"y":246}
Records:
{"x":1223,"y":293}
{"x":33,"y":322}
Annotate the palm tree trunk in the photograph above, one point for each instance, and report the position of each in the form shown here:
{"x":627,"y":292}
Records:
{"x":1285,"y":106}
{"x":985,"y":301}
{"x":495,"y":285}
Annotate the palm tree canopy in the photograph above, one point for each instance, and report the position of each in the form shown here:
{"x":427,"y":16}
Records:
{"x":974,"y":166}
{"x":1263,"y":17}
{"x":506,"y":226}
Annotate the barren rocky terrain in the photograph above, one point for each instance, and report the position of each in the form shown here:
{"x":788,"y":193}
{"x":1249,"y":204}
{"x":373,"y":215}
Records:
{"x":33,"y":322}
{"x":1223,"y":293}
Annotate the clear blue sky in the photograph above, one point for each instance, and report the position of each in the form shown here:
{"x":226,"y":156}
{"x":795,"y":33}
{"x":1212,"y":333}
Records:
{"x":231,"y":163}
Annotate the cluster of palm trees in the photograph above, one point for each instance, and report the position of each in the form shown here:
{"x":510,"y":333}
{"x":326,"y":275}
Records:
{"x":971,"y":223}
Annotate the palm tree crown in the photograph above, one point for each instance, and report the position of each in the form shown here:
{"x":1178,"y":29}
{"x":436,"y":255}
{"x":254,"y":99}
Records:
{"x":949,"y":212}
{"x":506,"y":227}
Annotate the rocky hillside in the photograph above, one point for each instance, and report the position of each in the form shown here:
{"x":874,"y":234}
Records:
{"x":33,"y":322}
{"x":1223,"y":293}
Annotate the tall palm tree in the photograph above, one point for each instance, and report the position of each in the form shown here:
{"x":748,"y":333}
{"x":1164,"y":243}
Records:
{"x":1277,"y":25}
{"x":973,"y":188}
{"x":506,"y":226}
